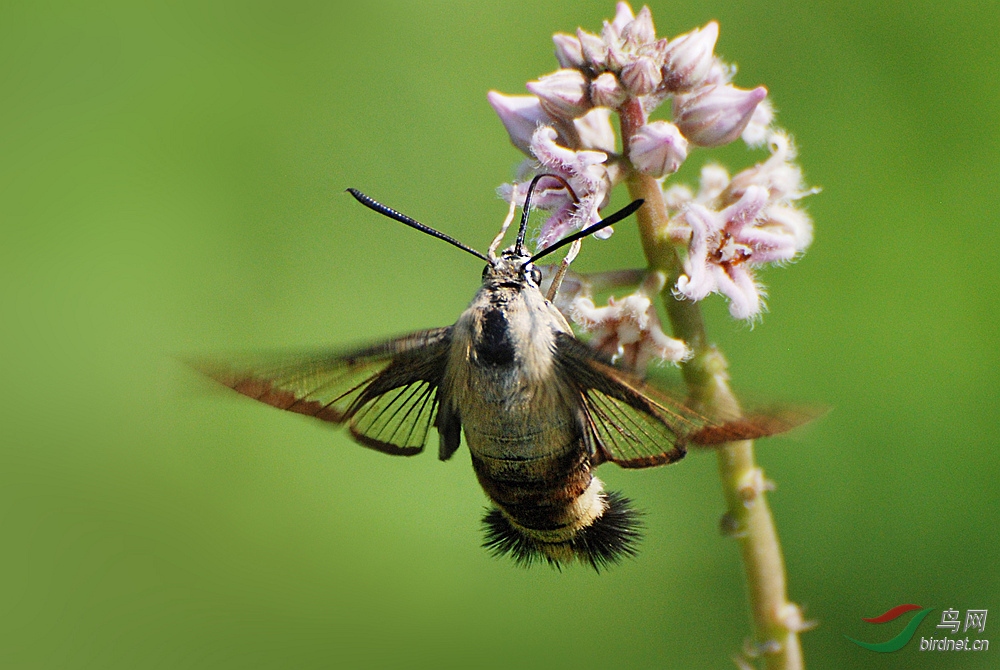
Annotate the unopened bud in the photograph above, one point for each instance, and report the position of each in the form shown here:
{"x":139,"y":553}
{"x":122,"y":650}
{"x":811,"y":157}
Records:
{"x":521,"y":115}
{"x":640,"y":30}
{"x":606,"y":91}
{"x":641,"y":76}
{"x":716,"y":115}
{"x":569,"y":53}
{"x":689,"y":58}
{"x":616,"y":58}
{"x":623,"y":17}
{"x":657,"y":149}
{"x":595,"y":52}
{"x":563,"y":94}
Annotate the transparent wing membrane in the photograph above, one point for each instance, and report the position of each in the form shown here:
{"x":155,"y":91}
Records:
{"x":388,"y":392}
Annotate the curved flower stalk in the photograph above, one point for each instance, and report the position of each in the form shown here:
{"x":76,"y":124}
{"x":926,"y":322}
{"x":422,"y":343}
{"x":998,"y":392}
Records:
{"x":697,"y":242}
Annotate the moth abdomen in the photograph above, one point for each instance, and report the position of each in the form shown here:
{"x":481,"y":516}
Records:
{"x":608,"y":539}
{"x":553,"y":508}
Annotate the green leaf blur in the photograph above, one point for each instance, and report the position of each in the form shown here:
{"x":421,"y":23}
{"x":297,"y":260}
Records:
{"x":172,"y":184}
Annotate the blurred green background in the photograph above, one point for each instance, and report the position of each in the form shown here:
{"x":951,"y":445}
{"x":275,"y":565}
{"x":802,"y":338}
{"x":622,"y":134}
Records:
{"x":172,"y":183}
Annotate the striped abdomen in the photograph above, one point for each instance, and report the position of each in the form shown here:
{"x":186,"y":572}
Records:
{"x":549,"y":506}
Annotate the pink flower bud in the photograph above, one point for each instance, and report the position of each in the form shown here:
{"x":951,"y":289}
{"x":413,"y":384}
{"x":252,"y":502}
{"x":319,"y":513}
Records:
{"x":657,"y":149}
{"x":563,"y":94}
{"x":521,"y":115}
{"x":623,"y":17}
{"x":616,"y":57}
{"x":641,"y":76}
{"x":715,"y":115}
{"x":689,"y":58}
{"x":595,"y":52}
{"x":605,"y":91}
{"x":640,"y":31}
{"x":569,"y":53}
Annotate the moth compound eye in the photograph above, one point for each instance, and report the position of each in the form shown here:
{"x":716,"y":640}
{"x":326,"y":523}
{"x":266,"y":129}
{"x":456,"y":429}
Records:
{"x":486,"y":271}
{"x":534,"y":274}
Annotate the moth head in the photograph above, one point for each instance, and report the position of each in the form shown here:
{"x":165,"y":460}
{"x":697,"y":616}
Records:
{"x":512,"y":269}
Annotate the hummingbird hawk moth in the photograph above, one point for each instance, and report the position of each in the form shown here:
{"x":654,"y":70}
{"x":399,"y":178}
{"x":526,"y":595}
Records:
{"x":539,"y":409}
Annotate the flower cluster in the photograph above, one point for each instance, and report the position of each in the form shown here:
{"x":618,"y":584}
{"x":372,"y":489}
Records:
{"x":628,"y":330}
{"x":733,"y":225}
{"x":564,"y":126}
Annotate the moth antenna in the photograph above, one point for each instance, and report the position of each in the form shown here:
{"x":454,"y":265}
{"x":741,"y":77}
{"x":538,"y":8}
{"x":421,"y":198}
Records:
{"x":492,"y":252}
{"x":519,"y":247}
{"x":375,"y":205}
{"x":622,"y":213}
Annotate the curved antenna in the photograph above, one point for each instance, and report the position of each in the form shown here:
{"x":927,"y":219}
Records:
{"x":375,"y":205}
{"x":622,"y":213}
{"x":519,"y":246}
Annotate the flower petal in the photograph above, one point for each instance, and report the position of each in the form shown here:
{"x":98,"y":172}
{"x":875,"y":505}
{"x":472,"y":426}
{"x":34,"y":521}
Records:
{"x":737,"y":284}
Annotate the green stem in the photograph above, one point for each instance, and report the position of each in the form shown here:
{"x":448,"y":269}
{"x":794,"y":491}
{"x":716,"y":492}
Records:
{"x":748,"y":517}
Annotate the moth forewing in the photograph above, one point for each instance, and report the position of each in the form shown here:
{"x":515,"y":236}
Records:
{"x":386,"y":391}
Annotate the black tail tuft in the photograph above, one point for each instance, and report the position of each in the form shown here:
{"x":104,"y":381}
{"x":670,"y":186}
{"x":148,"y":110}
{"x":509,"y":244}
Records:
{"x":610,"y":538}
{"x":503,"y":539}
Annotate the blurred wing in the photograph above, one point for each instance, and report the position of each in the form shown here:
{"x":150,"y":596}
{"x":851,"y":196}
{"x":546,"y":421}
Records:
{"x":388,"y":393}
{"x":627,"y":422}
{"x":624,"y":420}
{"x":759,"y":423}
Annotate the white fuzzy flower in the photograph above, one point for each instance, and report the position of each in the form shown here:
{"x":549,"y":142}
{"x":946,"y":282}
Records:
{"x":724,"y":248}
{"x":574,"y":208}
{"x":759,"y":128}
{"x":628,"y":330}
{"x":779,"y":174}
